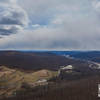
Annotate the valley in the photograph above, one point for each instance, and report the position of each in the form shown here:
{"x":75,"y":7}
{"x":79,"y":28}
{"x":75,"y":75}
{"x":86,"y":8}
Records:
{"x":47,"y":76}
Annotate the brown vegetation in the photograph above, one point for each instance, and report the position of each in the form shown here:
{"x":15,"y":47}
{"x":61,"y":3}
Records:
{"x":84,"y":89}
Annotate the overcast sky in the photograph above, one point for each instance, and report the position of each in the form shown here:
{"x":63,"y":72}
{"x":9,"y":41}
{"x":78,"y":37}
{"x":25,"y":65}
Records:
{"x":50,"y":24}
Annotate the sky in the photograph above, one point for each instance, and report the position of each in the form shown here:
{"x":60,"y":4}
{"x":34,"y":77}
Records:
{"x":49,"y":24}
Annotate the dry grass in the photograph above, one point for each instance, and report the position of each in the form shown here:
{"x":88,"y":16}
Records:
{"x":12,"y":79}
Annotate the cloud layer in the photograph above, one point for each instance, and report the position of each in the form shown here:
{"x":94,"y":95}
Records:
{"x":54,"y":24}
{"x":12,"y":17}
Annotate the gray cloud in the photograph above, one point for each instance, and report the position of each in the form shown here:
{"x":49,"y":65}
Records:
{"x":12,"y":17}
{"x":7,"y":1}
{"x":56,"y":24}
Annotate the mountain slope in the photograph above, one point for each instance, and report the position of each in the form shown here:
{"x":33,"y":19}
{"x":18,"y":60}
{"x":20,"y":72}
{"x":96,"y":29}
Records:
{"x":32,"y":60}
{"x":12,"y":79}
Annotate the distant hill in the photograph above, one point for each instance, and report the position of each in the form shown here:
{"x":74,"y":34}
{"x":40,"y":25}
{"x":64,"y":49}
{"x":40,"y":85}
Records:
{"x":87,"y":55}
{"x":82,"y":55}
{"x":31,"y":60}
{"x":92,"y":56}
{"x":34,"y":60}
{"x":71,"y":53}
